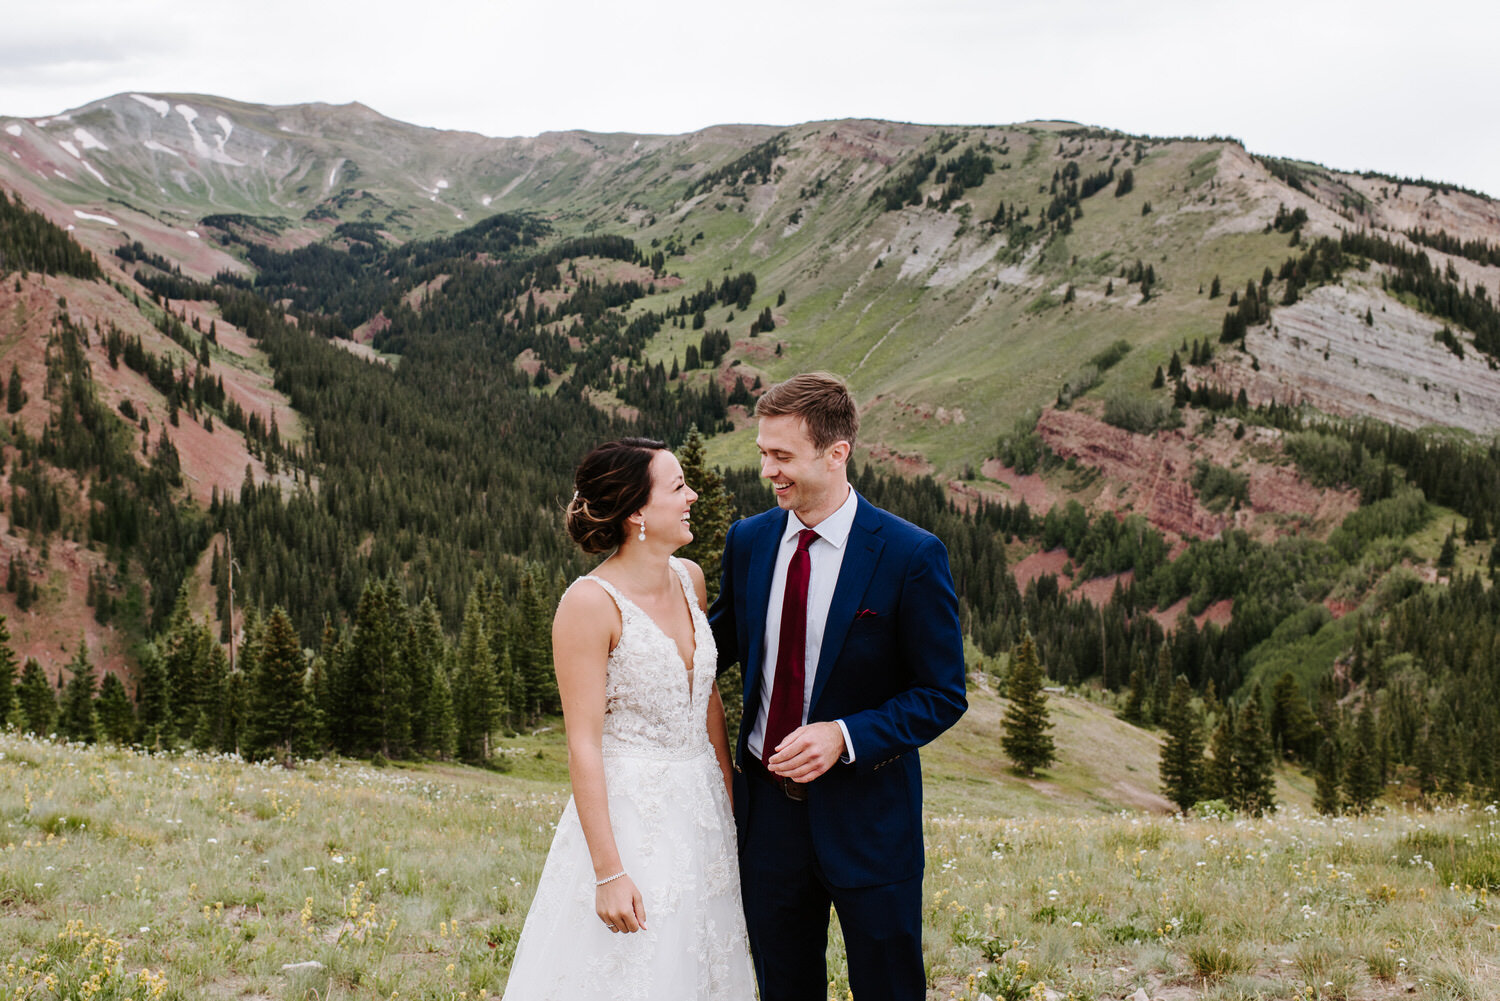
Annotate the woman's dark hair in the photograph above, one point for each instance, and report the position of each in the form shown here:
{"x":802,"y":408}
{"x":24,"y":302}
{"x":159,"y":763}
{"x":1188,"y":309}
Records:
{"x":612,"y":483}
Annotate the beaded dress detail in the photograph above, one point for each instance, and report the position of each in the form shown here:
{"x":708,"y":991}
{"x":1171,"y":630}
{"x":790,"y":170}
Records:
{"x":674,"y":830}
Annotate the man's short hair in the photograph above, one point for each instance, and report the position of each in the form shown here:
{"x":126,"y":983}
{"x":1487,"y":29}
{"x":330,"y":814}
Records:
{"x":821,"y":400}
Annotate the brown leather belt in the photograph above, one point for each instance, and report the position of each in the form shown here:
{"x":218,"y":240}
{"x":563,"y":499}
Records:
{"x":796,"y":791}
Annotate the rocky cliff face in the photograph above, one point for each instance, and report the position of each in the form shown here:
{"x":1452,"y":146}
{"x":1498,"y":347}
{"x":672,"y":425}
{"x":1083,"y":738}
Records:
{"x":1151,"y":475}
{"x":1322,"y":352}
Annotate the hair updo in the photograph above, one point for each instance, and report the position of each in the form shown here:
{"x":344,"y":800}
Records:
{"x":612,"y":483}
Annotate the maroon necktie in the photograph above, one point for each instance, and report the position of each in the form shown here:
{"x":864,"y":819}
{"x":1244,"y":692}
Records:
{"x":785,"y":714}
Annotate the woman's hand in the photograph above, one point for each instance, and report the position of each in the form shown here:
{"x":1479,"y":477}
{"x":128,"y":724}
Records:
{"x":618,"y":904}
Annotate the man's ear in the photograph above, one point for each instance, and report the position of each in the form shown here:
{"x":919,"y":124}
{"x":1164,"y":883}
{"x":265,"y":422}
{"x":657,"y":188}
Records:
{"x":838,"y":452}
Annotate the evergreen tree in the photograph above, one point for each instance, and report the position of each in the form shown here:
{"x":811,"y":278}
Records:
{"x":531,"y":645}
{"x":1291,"y":720}
{"x":1328,"y":798}
{"x":209,"y":729}
{"x":1181,"y":766}
{"x":1025,"y":740}
{"x":8,"y":673}
{"x":423,"y":656}
{"x":1426,"y":762}
{"x":1254,"y":771}
{"x":377,"y":703}
{"x":152,"y":694}
{"x":185,"y":654}
{"x":76,"y":719}
{"x":15,"y":394}
{"x":1135,"y":699}
{"x":1219,"y":778}
{"x":712,"y":513}
{"x":278,"y":715}
{"x":236,"y":713}
{"x":475,"y":694}
{"x":116,"y":716}
{"x":326,"y":723}
{"x":1449,"y":554}
{"x":441,"y":723}
{"x":37,"y":700}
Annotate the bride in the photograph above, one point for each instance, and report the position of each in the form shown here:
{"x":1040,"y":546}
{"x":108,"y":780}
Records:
{"x":640,"y":894}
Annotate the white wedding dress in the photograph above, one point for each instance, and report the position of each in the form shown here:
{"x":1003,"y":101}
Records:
{"x":675,"y":833}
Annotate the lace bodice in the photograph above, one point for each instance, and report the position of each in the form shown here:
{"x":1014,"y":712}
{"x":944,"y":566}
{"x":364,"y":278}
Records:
{"x":653,"y":707}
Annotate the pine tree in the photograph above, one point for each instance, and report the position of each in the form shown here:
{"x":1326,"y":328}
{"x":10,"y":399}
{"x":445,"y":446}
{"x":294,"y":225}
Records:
{"x":442,"y":725}
{"x":209,"y":727}
{"x":531,"y":645}
{"x":1449,"y":554}
{"x":377,"y":707}
{"x":325,"y":727}
{"x":76,"y":719}
{"x":1181,"y":765}
{"x":1254,"y":770}
{"x":1362,"y":780}
{"x":8,"y":673}
{"x":278,"y":710}
{"x":423,"y":656}
{"x":1328,"y":799}
{"x":1219,"y":777}
{"x":475,"y":694}
{"x":152,"y":694}
{"x":37,"y":699}
{"x":116,"y":717}
{"x":15,"y":394}
{"x":1291,"y":721}
{"x":236,"y":712}
{"x":711,"y":513}
{"x":1025,"y":740}
{"x":184,"y":650}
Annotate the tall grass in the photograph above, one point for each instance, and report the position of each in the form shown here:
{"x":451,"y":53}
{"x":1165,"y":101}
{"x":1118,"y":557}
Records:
{"x":128,"y":875}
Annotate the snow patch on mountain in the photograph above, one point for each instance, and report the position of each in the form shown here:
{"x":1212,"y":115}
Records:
{"x":156,"y":104}
{"x":14,"y":130}
{"x":157,"y":147}
{"x":86,"y":139}
{"x":90,"y":217}
{"x":215,"y":153}
{"x":226,"y":126}
{"x":90,"y":168}
{"x":72,"y":150}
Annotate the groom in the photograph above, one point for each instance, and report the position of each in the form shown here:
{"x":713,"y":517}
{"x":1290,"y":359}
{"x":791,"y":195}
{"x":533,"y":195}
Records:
{"x":846,"y":623}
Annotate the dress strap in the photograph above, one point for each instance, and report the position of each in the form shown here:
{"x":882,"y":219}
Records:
{"x":687,"y":581}
{"x":620,"y":600}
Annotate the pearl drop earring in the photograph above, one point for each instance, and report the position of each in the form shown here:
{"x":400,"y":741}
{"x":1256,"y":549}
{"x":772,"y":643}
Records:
{"x":642,"y":536}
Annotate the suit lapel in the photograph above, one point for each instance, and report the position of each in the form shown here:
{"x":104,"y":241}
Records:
{"x":861,"y":553}
{"x":757,"y":599}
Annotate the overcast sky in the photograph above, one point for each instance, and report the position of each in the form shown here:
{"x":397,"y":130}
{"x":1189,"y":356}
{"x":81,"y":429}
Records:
{"x":1403,"y":88}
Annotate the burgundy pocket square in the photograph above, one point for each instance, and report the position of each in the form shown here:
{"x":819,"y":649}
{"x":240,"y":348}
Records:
{"x":867,"y":613}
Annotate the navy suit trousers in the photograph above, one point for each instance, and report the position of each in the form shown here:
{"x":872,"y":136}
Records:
{"x":787,"y":900}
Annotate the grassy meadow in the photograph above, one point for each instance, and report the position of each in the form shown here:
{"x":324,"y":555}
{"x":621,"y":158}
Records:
{"x":131,"y":875}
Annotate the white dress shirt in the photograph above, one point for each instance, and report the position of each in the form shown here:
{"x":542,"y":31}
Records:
{"x":826,"y":555}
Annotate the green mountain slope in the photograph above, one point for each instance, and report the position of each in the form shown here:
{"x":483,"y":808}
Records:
{"x":949,"y":323}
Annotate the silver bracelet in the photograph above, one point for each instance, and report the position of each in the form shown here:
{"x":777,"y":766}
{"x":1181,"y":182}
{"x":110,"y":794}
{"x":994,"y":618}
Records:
{"x":609,"y":879}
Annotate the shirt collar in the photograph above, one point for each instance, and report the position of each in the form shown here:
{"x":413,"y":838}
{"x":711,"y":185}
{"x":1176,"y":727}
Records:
{"x":834,"y":528}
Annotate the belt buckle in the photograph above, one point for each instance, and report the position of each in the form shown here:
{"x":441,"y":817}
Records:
{"x":795,"y":791}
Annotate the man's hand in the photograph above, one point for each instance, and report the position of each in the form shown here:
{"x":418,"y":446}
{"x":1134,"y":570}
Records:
{"x":808,"y":752}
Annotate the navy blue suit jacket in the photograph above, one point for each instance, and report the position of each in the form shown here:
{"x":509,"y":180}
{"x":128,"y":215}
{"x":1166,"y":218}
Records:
{"x":891,"y":667}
